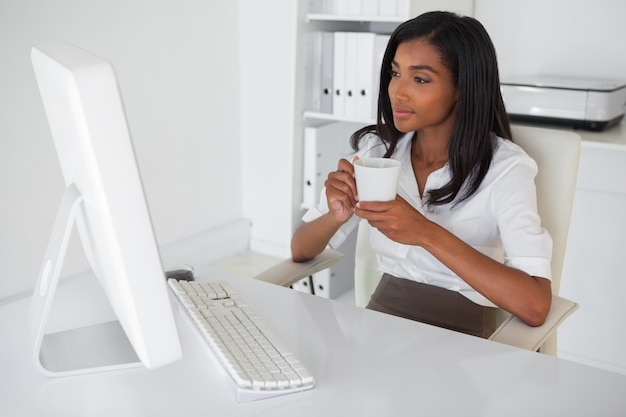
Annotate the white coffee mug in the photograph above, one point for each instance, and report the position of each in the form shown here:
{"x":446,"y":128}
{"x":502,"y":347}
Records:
{"x":376,"y":178}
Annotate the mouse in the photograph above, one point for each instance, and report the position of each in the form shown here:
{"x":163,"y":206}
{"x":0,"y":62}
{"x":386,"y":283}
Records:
{"x":181,"y":274}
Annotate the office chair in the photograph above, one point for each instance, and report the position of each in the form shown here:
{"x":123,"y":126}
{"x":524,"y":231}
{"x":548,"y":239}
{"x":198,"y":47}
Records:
{"x":556,"y":153}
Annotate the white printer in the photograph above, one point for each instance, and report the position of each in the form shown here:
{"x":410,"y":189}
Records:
{"x":578,"y":103}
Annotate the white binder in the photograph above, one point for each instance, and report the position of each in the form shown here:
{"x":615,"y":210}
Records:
{"x":365,"y":75}
{"x":313,"y":71}
{"x":323,"y":147}
{"x":387,"y":8}
{"x":339,"y":71}
{"x":326,"y":87}
{"x":403,"y":9}
{"x":371,"y":48}
{"x":341,"y":7}
{"x":351,"y":70}
{"x":380,"y":45}
{"x":369,"y":8}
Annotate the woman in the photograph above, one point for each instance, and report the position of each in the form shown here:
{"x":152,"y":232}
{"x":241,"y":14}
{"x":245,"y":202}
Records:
{"x":463,"y":235}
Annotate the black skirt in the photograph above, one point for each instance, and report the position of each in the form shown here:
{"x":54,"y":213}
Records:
{"x":432,"y":305}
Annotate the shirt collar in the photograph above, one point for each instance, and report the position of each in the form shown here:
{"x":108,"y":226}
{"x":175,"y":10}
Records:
{"x":407,"y":186}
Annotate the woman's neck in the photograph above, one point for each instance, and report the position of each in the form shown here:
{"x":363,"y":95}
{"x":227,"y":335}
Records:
{"x":430,"y":148}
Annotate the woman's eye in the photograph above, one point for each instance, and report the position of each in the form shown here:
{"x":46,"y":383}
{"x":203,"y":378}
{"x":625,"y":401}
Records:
{"x":420,"y":80}
{"x":394,"y":73}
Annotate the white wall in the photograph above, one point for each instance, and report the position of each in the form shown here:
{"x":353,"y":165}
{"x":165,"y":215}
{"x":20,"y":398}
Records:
{"x":570,"y":38}
{"x":178,"y":68}
{"x":271,"y":118}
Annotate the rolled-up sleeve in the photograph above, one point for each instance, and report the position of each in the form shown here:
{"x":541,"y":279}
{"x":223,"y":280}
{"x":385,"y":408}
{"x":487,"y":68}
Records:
{"x":527,"y":245}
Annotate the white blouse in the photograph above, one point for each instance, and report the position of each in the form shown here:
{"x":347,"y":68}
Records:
{"x":500,"y":220}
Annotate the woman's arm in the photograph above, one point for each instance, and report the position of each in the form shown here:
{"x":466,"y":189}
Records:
{"x":511,"y":289}
{"x":522,"y":295}
{"x":311,"y":238}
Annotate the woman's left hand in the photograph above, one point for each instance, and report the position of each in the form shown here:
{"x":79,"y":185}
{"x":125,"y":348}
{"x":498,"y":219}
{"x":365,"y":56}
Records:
{"x":396,"y":219}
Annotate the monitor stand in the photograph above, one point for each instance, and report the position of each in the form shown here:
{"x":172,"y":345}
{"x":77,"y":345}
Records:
{"x":95,"y":348}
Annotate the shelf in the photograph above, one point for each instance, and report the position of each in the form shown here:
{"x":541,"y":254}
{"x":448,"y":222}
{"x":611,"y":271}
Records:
{"x":309,"y":115}
{"x":316,"y":17}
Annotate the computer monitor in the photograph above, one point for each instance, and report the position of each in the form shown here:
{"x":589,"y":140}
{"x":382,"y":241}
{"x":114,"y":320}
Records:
{"x":104,"y":199}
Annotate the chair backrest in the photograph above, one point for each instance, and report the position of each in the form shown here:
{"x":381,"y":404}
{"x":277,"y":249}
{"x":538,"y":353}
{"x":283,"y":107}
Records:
{"x":556,"y":153}
{"x":366,"y":276}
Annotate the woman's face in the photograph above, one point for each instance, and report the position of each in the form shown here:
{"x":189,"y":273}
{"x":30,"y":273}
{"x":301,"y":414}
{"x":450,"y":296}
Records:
{"x":421,"y":90}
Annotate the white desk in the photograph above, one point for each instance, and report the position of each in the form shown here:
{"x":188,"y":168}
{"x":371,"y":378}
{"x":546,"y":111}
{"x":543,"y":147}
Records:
{"x":365,"y":363}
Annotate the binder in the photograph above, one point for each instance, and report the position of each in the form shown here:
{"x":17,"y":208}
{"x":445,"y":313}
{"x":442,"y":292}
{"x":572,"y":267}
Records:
{"x":344,"y":73}
{"x":339,"y":72}
{"x":338,"y":279}
{"x":309,"y":168}
{"x":342,"y":7}
{"x":354,"y":7}
{"x":380,"y":45}
{"x":403,"y":9}
{"x":323,"y":147}
{"x":369,"y":8}
{"x":387,"y":8}
{"x":322,"y":283}
{"x":371,"y":48}
{"x":313,"y":71}
{"x":322,"y":6}
{"x":304,"y":285}
{"x":326,"y":87}
{"x":328,"y":6}
{"x":365,"y":75}
{"x":351,"y":71}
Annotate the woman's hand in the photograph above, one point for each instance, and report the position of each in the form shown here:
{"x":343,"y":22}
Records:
{"x":396,"y":219}
{"x":311,"y":238}
{"x":341,"y":191}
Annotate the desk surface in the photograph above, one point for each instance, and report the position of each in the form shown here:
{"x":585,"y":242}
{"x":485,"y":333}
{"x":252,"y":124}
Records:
{"x":612,"y":138}
{"x":365,"y":363}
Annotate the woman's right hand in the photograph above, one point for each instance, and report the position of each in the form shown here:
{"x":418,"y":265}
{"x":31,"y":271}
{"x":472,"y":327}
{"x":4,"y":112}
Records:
{"x":341,"y":191}
{"x":311,"y":238}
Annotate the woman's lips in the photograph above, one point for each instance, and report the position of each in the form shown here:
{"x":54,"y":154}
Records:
{"x":399,"y":113}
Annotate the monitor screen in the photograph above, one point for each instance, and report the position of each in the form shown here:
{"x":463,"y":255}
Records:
{"x":104,"y":199}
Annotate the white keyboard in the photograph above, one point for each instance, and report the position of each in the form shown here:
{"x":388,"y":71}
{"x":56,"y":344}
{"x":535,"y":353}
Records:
{"x":259,"y":365}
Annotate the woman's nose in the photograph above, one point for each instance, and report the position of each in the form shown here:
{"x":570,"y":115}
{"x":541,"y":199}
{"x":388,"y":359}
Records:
{"x":397,"y":90}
